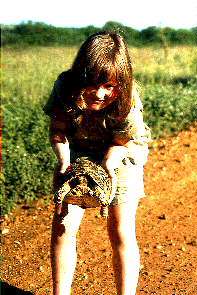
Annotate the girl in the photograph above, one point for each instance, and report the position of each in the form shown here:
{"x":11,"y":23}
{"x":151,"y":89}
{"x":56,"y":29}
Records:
{"x":95,"y":111}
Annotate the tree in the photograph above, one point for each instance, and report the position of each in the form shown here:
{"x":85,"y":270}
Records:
{"x":113,"y":26}
{"x":150,"y":35}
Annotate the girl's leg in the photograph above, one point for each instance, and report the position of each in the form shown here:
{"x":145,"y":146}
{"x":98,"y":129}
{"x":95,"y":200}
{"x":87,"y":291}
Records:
{"x":126,"y":259}
{"x":63,"y":247}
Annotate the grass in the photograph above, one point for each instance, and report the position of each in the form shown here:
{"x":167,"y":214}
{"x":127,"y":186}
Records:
{"x":157,"y":65}
{"x":29,"y":74}
{"x":168,"y":88}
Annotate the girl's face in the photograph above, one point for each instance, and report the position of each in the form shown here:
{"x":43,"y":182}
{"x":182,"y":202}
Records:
{"x":99,"y":97}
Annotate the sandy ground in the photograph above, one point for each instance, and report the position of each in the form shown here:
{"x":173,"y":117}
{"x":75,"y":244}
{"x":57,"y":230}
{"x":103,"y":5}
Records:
{"x":165,"y":224}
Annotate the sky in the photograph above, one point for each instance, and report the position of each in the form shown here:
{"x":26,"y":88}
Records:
{"x":137,"y":14}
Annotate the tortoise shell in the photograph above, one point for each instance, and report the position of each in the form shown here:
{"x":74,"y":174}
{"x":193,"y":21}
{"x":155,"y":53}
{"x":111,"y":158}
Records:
{"x":86,"y":184}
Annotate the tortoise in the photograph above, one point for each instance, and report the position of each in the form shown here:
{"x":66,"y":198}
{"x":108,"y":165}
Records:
{"x":87,"y":185}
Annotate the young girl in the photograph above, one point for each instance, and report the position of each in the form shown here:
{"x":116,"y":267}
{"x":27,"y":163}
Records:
{"x":95,"y":111}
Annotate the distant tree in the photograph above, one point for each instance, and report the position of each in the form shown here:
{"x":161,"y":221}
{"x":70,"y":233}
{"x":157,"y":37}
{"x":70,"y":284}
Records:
{"x":132,"y":36}
{"x":150,"y":35}
{"x":194,"y":32}
{"x":113,"y":26}
{"x":183,"y":36}
{"x":39,"y":33}
{"x":89,"y":30}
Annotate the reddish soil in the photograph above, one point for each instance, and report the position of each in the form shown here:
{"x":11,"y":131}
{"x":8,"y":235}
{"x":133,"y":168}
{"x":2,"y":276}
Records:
{"x":166,"y":231}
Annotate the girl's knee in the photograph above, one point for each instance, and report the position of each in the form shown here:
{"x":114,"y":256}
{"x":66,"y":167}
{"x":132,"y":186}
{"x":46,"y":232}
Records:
{"x":122,"y":238}
{"x":63,"y":229}
{"x":66,"y":223}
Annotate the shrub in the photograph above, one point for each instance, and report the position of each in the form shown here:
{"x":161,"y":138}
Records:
{"x":27,"y":156}
{"x":169,"y":108}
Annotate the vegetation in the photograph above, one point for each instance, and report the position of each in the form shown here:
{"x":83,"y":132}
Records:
{"x":41,"y":34}
{"x":167,"y":77}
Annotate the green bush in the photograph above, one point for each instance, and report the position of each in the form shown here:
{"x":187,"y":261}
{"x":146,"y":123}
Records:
{"x":27,"y":156}
{"x":169,"y":108}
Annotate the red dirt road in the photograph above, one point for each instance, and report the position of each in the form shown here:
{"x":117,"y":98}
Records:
{"x":166,"y":227}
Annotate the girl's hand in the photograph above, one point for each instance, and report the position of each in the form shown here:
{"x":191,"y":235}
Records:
{"x":62,"y":152}
{"x":113,"y":158}
{"x":111,"y":161}
{"x":109,"y":167}
{"x":63,"y":163}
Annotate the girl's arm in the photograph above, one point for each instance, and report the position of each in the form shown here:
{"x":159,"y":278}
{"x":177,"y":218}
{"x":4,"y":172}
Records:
{"x":113,"y":157}
{"x":59,"y":121}
{"x":131,"y":140}
{"x":60,"y":143}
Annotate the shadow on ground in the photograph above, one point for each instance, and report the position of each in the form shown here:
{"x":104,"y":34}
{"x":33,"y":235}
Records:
{"x":7,"y":289}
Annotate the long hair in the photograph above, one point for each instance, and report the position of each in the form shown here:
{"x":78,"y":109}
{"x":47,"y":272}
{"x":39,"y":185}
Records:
{"x":104,"y":57}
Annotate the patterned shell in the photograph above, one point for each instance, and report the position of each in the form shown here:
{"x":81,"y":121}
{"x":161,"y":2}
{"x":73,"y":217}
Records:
{"x":86,"y":184}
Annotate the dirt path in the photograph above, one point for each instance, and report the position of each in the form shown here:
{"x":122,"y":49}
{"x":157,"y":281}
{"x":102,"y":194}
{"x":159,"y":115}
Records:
{"x":166,"y":231}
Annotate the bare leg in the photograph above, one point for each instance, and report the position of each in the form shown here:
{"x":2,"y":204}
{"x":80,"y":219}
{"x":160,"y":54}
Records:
{"x":63,"y":248}
{"x":126,"y":259}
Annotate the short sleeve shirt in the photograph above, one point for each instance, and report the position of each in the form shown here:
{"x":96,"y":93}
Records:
{"x":93,"y":131}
